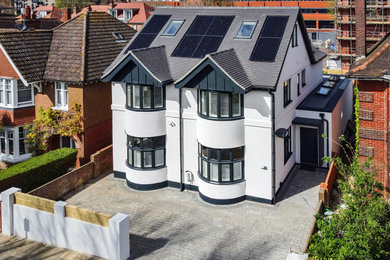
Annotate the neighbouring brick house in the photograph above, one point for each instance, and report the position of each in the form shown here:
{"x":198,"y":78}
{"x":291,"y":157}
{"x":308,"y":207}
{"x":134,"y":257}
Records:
{"x":372,"y":75}
{"x":68,"y":69}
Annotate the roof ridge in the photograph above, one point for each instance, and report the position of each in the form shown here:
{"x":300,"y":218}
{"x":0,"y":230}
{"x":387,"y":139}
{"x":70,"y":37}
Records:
{"x":147,"y":48}
{"x":70,"y":20}
{"x":220,"y":52}
{"x":84,"y":46}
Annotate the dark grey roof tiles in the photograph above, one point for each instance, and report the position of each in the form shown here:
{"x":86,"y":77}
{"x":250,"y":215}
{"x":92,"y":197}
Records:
{"x":155,"y":61}
{"x":259,"y":74}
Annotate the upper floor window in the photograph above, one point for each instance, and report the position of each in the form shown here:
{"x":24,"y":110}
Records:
{"x":295,"y":36}
{"x":298,"y":84}
{"x":146,"y":153}
{"x":220,"y":105}
{"x":127,"y":14}
{"x":61,"y":95}
{"x":221,"y":165}
{"x":173,"y":28}
{"x":246,"y":30}
{"x":287,"y":92}
{"x":144,"y":97}
{"x":13,"y":93}
{"x":303,"y":78}
{"x":112,"y":12}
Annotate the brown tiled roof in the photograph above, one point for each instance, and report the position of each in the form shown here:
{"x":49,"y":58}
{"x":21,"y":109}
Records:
{"x":376,"y":63}
{"x":83,"y":47}
{"x":28,"y":51}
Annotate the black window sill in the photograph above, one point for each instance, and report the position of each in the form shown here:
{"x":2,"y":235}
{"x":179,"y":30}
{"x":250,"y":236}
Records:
{"x":287,"y":103}
{"x":144,"y":169}
{"x":220,"y":118}
{"x":144,"y":109}
{"x":286,"y":158}
{"x":220,"y":183}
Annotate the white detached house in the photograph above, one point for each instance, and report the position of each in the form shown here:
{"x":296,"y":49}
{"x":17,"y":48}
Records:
{"x":224,"y":101}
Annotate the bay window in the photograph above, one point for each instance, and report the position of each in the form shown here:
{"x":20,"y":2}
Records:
{"x":24,"y":94}
{"x":61,"y":95}
{"x":12,"y":143}
{"x":13,"y":93}
{"x":146,"y":152}
{"x":144,"y":97}
{"x":221,"y":165}
{"x":220,"y":105}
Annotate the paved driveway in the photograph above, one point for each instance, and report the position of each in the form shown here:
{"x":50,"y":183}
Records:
{"x":169,"y":224}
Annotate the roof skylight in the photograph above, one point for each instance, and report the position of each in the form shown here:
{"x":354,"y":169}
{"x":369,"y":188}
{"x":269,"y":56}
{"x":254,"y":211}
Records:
{"x":173,"y":28}
{"x":118,"y":37}
{"x":246,"y":30}
{"x":324,"y":91}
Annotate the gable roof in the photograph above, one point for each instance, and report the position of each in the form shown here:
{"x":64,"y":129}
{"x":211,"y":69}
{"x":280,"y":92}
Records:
{"x":28,"y":51}
{"x":258,"y":74}
{"x":84,"y":46}
{"x":375,"y":64}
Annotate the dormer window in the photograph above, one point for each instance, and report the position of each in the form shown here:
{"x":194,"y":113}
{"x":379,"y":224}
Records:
{"x":173,"y":28}
{"x":294,"y":39}
{"x":220,"y":105}
{"x":246,"y":30}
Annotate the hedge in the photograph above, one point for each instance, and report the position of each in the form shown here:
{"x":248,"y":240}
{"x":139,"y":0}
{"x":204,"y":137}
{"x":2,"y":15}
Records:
{"x":38,"y":170}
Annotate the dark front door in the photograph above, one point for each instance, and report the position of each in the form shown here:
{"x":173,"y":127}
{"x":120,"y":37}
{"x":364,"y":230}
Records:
{"x":309,"y":146}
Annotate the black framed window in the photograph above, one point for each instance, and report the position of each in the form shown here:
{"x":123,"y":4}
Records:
{"x":146,"y":152}
{"x":144,"y":97}
{"x":220,"y":105}
{"x":287,"y":145}
{"x":295,"y":36}
{"x":299,"y":83}
{"x":303,"y":78}
{"x":287,"y":92}
{"x":221,"y":165}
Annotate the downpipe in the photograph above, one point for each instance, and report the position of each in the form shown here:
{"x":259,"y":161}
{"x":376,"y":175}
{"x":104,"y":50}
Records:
{"x":273,"y":152}
{"x":182,"y":186}
{"x":323,"y":119}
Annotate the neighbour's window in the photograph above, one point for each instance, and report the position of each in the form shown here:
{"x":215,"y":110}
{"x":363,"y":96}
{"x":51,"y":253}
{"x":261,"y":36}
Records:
{"x":173,"y":28}
{"x":8,"y":92}
{"x":24,"y":94}
{"x":146,"y":152}
{"x":220,"y":105}
{"x":2,"y":82}
{"x":2,"y":142}
{"x":22,"y":137}
{"x":10,"y":137}
{"x":61,"y":95}
{"x":287,"y":145}
{"x":303,"y":78}
{"x":221,"y":165}
{"x":287,"y":92}
{"x":246,"y":30}
{"x":295,"y":36}
{"x":144,"y":97}
{"x":299,"y":83}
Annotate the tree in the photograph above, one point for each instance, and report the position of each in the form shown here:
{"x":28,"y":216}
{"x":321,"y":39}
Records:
{"x":51,"y":122}
{"x":360,"y":226}
{"x":70,"y":3}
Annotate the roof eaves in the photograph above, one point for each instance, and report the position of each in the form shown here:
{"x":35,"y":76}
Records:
{"x":13,"y":65}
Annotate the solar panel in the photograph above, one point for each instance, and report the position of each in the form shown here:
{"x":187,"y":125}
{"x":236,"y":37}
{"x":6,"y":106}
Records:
{"x":267,"y":44}
{"x":149,"y":32}
{"x":204,"y":36}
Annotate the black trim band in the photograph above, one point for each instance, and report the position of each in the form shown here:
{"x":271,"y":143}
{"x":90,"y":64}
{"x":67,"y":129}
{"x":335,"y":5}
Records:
{"x":176,"y":185}
{"x":146,"y":187}
{"x":257,"y":199}
{"x":221,"y":202}
{"x":119,"y":175}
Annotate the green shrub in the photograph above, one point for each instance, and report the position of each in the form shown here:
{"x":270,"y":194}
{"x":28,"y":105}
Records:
{"x":39,"y":170}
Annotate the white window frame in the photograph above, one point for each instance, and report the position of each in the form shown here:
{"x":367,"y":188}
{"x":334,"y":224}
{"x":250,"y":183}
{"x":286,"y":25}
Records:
{"x":16,"y":156}
{"x":25,"y":103}
{"x":13,"y":101}
{"x":127,"y":11}
{"x":72,"y":142}
{"x":63,"y":87}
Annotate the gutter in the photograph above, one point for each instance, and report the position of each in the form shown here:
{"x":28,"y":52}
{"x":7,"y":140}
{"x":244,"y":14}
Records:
{"x":273,"y":152}
{"x":181,"y":141}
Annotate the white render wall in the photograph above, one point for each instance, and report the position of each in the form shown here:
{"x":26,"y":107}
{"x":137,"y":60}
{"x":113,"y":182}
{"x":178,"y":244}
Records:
{"x":110,"y":242}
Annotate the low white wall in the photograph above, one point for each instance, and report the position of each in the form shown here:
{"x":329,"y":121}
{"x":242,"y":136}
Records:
{"x":110,"y":242}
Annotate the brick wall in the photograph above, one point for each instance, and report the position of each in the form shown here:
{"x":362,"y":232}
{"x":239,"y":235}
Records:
{"x":20,"y":116}
{"x":46,"y":98}
{"x":6,"y":69}
{"x":374,"y":125}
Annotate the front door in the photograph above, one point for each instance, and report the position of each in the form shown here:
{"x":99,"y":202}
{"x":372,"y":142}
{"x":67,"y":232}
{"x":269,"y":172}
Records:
{"x":309,"y":146}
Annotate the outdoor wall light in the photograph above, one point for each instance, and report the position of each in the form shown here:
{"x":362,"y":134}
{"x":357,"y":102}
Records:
{"x":281,"y":133}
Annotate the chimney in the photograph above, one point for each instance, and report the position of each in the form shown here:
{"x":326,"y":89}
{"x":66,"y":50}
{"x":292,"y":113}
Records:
{"x":112,"y":4}
{"x":75,"y":10}
{"x":66,"y":14}
{"x":27,"y":12}
{"x":360,"y":16}
{"x":89,"y":8}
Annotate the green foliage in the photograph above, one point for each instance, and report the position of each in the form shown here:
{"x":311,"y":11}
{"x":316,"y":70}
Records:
{"x":70,"y":3}
{"x":360,"y":227}
{"x":38,"y":170}
{"x":51,"y":122}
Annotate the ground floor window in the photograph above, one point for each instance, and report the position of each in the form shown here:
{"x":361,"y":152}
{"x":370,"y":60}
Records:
{"x":12,"y":141}
{"x":66,"y":141}
{"x":221,"y":165}
{"x":146,"y":152}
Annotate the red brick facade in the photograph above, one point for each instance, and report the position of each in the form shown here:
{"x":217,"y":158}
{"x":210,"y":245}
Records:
{"x":374,"y":125}
{"x":6,"y":69}
{"x":19,"y":116}
{"x":95,"y":101}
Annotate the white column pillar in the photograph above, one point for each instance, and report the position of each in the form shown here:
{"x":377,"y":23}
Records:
{"x":7,"y":211}
{"x":16,"y":142}
{"x":119,"y":227}
{"x":59,"y":222}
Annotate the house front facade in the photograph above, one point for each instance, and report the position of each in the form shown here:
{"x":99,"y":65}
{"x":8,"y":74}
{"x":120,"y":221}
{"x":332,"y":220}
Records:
{"x":207,"y":99}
